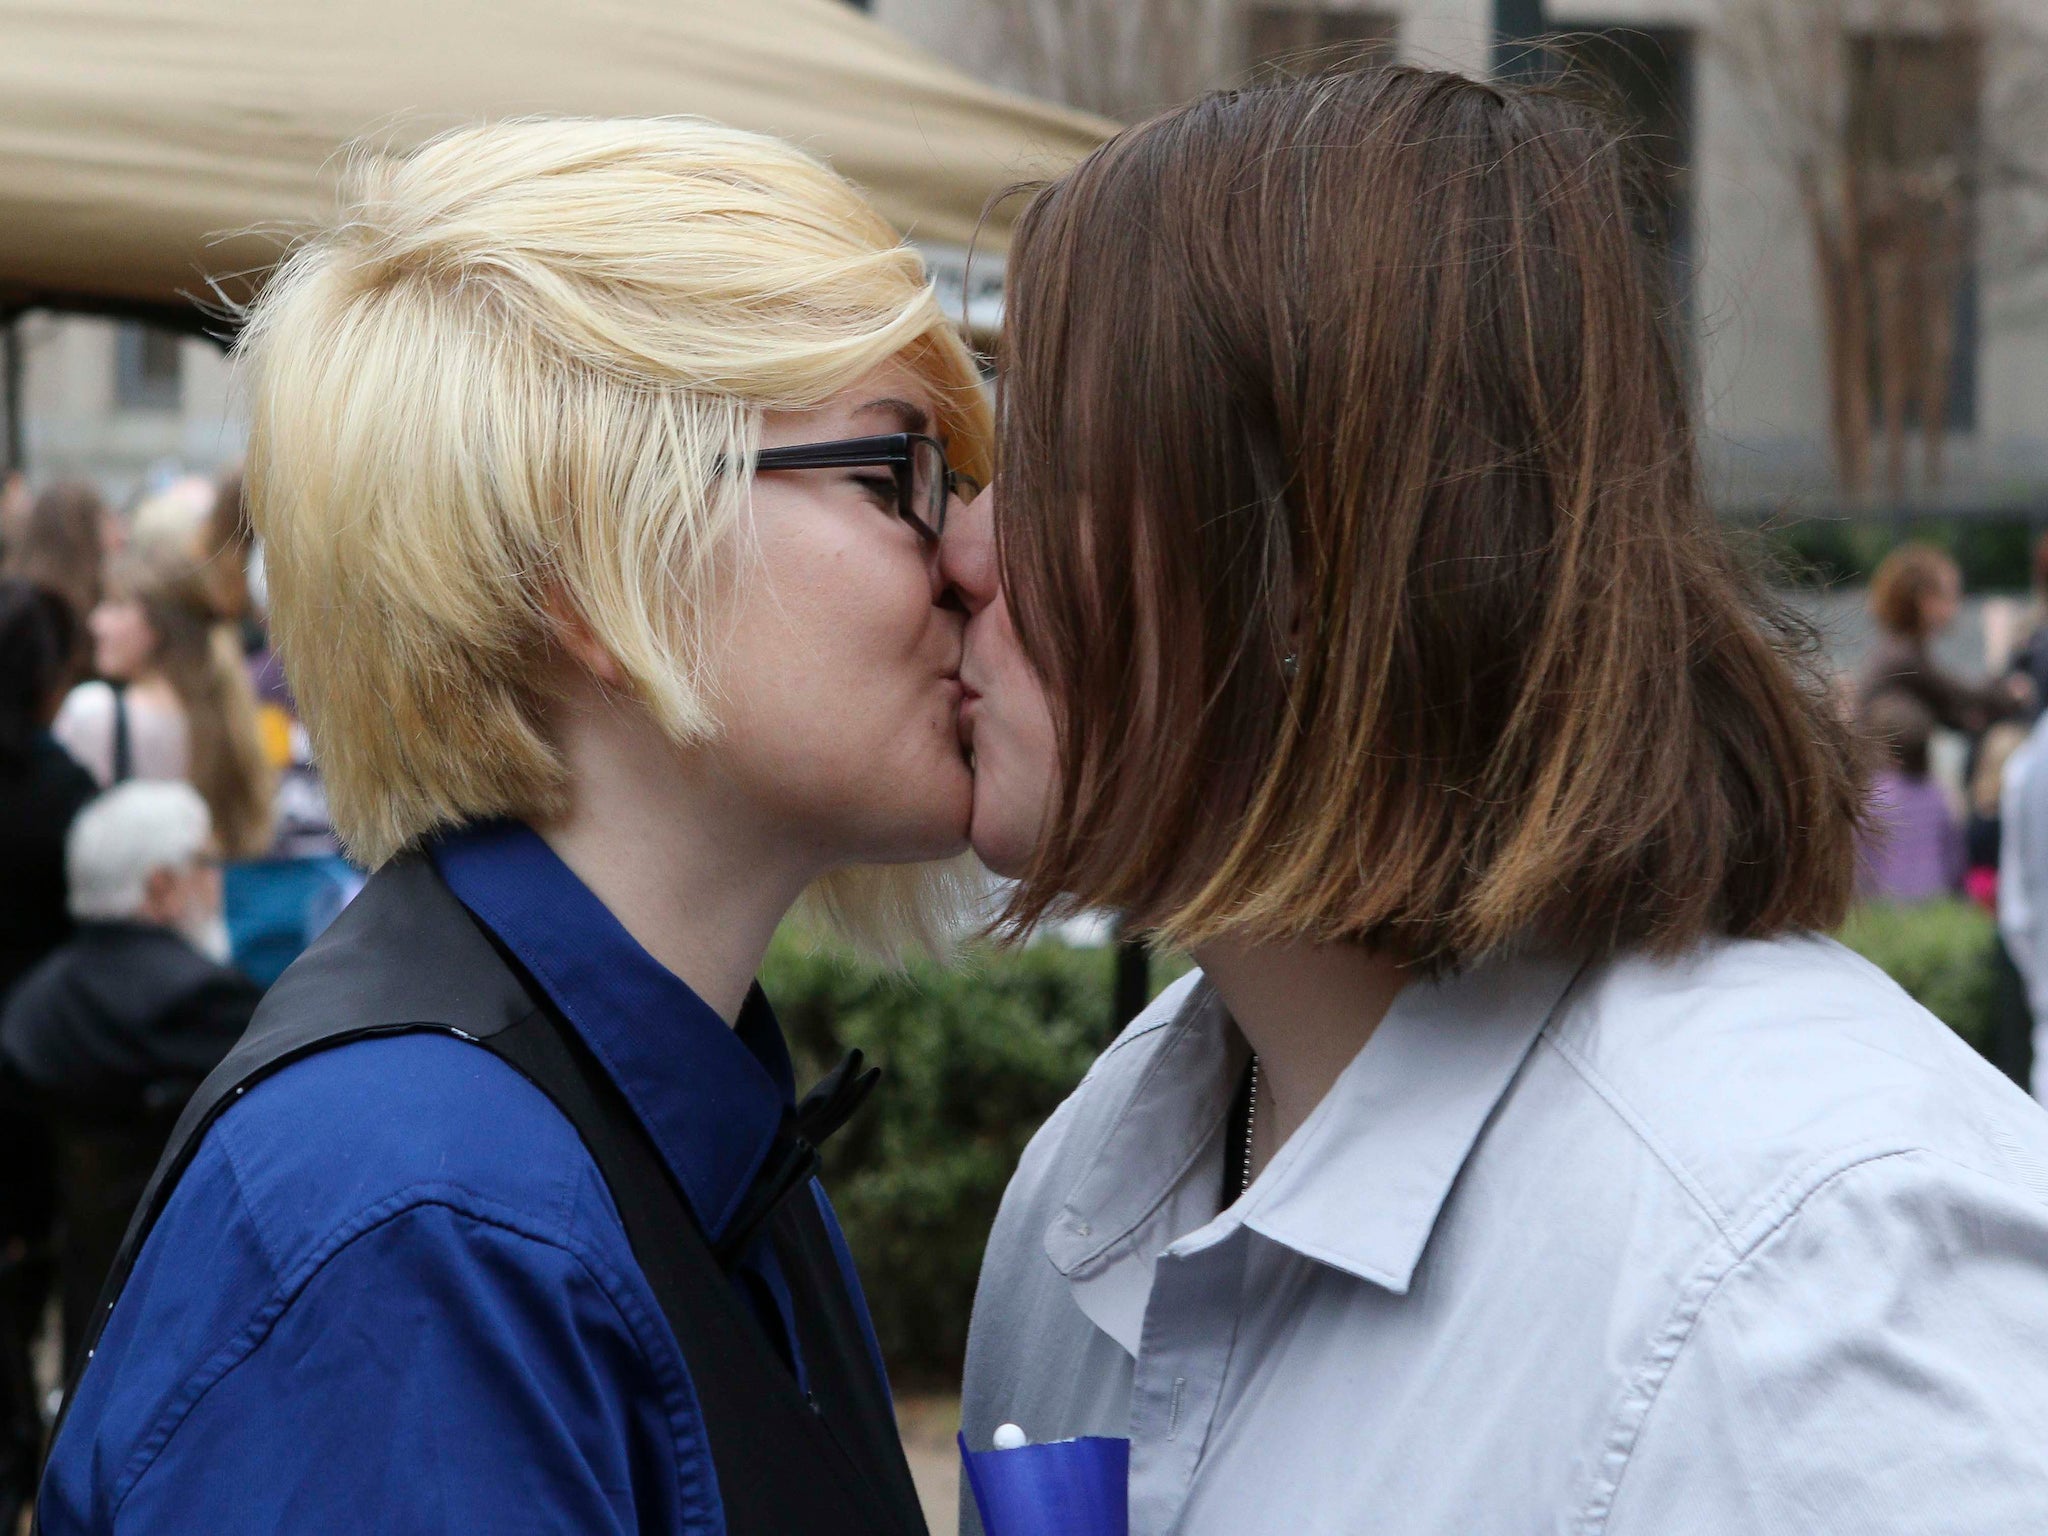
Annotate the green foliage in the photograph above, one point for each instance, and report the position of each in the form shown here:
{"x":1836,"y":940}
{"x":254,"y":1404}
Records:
{"x":975,"y":1055}
{"x":1994,"y":553}
{"x":1942,"y":952}
{"x":1826,"y":552}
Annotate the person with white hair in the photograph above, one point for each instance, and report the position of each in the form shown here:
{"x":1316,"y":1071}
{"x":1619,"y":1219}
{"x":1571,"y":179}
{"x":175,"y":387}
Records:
{"x":114,"y":1029}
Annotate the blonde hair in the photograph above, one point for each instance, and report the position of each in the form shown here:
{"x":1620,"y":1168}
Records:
{"x":519,"y":364}
{"x":174,"y":522}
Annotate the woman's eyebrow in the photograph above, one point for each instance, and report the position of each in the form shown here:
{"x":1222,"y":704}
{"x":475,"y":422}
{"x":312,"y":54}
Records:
{"x":910,"y":416}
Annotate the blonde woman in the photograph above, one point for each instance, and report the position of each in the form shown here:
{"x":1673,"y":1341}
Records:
{"x":599,"y":468}
{"x":172,"y":700}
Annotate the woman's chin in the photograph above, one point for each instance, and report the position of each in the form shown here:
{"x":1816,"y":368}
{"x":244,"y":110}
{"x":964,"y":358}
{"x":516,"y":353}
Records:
{"x":1001,"y":840}
{"x":937,"y":825}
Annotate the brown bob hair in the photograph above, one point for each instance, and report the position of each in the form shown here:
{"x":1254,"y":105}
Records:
{"x":1351,"y":514}
{"x":1902,"y":583}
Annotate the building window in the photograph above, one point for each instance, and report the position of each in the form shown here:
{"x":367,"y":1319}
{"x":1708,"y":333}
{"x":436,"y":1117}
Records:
{"x":1913,"y":151}
{"x":1306,"y":39}
{"x":146,"y":367}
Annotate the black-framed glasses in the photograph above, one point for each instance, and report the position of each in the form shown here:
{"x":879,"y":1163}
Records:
{"x":925,"y":483}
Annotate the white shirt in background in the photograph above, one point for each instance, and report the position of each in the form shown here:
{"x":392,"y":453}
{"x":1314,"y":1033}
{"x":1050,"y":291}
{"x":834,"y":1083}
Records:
{"x":159,"y":743}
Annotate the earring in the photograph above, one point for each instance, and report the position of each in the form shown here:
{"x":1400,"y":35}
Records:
{"x":1287,"y":666}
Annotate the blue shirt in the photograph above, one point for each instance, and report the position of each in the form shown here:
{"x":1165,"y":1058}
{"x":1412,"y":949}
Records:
{"x":392,"y":1293}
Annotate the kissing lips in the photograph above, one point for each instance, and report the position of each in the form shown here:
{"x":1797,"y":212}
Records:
{"x":965,"y":716}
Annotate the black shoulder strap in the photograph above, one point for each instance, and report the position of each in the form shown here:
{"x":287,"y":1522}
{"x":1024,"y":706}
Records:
{"x":124,"y":751}
{"x":406,"y":956}
{"x":761,"y":1427}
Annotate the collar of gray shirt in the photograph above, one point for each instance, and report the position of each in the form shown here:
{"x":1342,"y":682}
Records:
{"x":1358,"y":1187}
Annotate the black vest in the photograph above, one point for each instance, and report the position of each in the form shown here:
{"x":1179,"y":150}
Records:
{"x":406,"y":955}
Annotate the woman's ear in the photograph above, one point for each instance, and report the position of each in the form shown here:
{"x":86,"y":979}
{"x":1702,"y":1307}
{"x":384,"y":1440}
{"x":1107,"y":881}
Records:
{"x":575,"y":636}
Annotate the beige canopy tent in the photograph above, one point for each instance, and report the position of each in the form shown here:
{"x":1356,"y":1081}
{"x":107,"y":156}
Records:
{"x":148,"y":145}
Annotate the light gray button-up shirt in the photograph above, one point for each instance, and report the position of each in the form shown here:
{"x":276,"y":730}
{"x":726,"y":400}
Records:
{"x":2023,"y":882}
{"x":1747,"y":1243}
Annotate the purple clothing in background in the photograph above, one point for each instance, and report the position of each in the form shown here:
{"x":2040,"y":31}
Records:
{"x":1913,"y":849}
{"x":266,"y":676}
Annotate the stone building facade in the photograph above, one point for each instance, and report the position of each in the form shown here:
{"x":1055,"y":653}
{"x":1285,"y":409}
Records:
{"x":125,"y":405}
{"x":1747,"y":268}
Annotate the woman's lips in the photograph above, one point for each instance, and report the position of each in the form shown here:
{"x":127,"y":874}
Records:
{"x":965,"y":716}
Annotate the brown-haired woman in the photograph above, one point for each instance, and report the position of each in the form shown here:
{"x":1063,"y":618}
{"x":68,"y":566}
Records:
{"x":61,"y":545}
{"x":1520,"y":1159}
{"x":176,"y":702}
{"x":1915,"y":593}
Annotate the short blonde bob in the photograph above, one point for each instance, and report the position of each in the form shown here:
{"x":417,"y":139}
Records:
{"x":514,"y":366}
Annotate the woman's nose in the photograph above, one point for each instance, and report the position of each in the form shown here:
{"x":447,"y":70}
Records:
{"x":967,"y":553}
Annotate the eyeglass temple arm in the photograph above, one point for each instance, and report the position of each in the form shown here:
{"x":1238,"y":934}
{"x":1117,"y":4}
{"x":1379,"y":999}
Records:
{"x":879,"y":451}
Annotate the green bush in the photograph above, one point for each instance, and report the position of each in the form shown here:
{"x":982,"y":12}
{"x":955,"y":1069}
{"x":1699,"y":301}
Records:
{"x":1995,"y":554}
{"x":975,"y":1056}
{"x":1943,"y":952}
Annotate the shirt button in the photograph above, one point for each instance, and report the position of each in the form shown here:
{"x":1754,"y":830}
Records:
{"x":1083,"y":1229}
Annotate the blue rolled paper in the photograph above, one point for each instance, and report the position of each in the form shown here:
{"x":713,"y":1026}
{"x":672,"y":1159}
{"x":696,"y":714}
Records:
{"x":1063,"y":1488}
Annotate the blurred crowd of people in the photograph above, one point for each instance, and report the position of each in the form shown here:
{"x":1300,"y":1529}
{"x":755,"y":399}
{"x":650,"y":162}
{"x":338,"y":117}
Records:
{"x":168,"y":852}
{"x":1932,"y":836}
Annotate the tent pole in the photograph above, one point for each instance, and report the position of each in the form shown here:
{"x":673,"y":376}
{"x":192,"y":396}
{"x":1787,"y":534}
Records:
{"x":1518,"y":29}
{"x":10,"y":380}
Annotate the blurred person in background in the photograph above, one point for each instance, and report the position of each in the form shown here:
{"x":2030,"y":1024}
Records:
{"x":175,"y":522}
{"x":63,"y":545}
{"x":1983,"y":814}
{"x":2030,"y":657}
{"x":304,"y":828}
{"x":2009,"y":1036}
{"x":173,"y":699}
{"x":1523,"y":1156}
{"x":15,"y":501}
{"x":41,"y":785}
{"x":204,"y":524}
{"x":1915,"y":594}
{"x":280,"y":896}
{"x":114,"y":1030}
{"x":2023,"y":887}
{"x":41,"y":790}
{"x":229,"y":546}
{"x":1912,"y":841}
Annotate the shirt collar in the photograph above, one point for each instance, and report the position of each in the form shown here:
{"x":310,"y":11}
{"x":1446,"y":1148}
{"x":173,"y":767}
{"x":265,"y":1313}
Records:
{"x":711,"y":1096}
{"x":1360,"y":1185}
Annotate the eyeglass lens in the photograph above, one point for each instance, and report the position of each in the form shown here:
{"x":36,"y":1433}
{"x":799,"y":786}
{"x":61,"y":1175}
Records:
{"x":928,"y":494}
